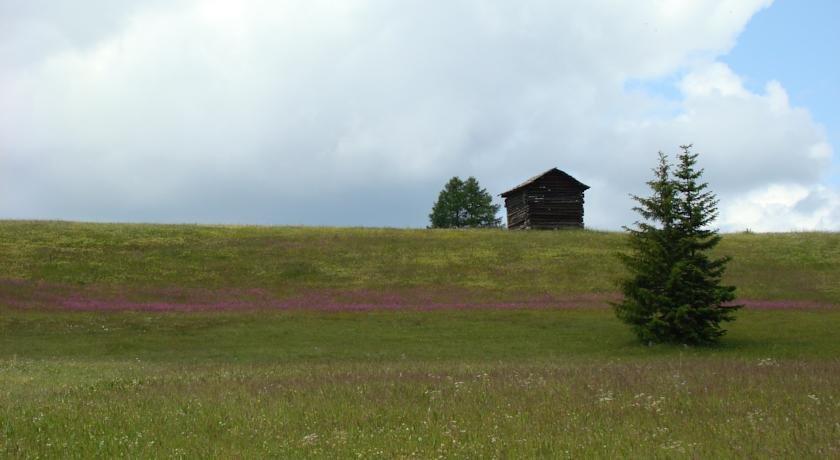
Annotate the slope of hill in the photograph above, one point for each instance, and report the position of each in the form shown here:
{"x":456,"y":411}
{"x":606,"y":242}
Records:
{"x":99,"y":266}
{"x":257,"y":369}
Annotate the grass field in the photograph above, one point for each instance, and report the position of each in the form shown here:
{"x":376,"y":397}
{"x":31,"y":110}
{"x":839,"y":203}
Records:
{"x":191,"y":341}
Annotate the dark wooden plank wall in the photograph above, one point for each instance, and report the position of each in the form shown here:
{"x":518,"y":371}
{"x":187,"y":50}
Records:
{"x":517,"y":211}
{"x":549,"y":203}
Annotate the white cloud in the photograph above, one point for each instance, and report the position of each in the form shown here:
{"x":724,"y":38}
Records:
{"x":784,"y":207}
{"x":716,"y":79}
{"x":748,"y":141}
{"x":356,"y":112}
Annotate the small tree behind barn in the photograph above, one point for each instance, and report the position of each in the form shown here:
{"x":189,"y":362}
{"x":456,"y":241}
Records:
{"x":551,"y":200}
{"x":464,"y":204}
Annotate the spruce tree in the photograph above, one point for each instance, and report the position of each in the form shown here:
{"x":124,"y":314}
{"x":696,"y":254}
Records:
{"x":652,"y":254}
{"x":674,"y":292}
{"x":702,"y":301}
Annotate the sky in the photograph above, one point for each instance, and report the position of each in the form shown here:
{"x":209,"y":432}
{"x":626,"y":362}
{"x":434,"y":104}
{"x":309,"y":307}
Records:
{"x":356,"y":113}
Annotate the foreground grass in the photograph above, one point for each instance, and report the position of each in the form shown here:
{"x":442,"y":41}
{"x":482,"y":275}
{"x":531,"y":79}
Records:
{"x":692,"y":407}
{"x":481,"y":383}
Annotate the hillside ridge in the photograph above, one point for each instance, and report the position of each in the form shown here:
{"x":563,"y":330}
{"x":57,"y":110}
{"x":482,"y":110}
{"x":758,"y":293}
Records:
{"x":78,"y":265}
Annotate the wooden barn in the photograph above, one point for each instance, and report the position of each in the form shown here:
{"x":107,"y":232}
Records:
{"x":551,"y":200}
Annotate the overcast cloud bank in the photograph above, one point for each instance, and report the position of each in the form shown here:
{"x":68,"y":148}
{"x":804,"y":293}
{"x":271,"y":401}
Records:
{"x":357,"y":112}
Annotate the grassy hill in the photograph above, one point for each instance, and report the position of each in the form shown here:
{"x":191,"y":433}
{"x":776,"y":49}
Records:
{"x":156,"y":341}
{"x":196,"y":264}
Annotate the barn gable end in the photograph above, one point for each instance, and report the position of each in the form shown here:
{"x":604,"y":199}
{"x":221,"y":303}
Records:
{"x":551,"y":200}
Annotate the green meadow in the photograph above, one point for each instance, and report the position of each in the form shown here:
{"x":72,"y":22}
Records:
{"x":786,"y":266}
{"x":81,"y":380}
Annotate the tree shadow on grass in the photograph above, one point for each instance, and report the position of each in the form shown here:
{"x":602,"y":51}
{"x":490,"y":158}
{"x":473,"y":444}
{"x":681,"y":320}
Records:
{"x":728,"y":347}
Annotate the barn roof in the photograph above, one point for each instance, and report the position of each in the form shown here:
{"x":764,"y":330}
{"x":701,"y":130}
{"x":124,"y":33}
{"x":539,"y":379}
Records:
{"x":530,"y":181}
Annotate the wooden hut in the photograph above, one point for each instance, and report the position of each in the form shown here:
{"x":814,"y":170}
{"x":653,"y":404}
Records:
{"x":551,"y":200}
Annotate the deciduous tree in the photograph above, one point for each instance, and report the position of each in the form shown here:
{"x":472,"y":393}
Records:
{"x":464,"y":204}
